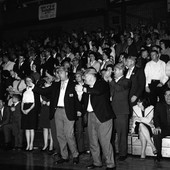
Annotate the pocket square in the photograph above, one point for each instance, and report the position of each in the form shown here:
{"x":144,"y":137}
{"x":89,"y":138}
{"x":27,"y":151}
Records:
{"x":70,"y":95}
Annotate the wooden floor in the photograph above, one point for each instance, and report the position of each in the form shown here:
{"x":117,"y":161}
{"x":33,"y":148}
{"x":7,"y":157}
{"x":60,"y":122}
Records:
{"x":37,"y":160}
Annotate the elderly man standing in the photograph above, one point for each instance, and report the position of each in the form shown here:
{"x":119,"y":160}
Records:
{"x":96,"y":99}
{"x":64,"y":106}
{"x":120,"y":87}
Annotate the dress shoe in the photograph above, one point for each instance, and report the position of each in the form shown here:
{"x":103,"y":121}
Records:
{"x":113,"y":168}
{"x":60,"y":161}
{"x":76,"y":160}
{"x":85,"y":152}
{"x":31,"y":150}
{"x":44,"y":150}
{"x":155,"y":152}
{"x":157,"y":159}
{"x":19,"y":148}
{"x":92,"y":166}
{"x":122,"y":158}
{"x":50,"y":152}
{"x":142,"y":159}
{"x":7,"y":147}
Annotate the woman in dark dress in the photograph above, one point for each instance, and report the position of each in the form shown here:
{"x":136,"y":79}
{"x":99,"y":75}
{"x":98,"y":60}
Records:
{"x":143,"y":124}
{"x":44,"y":118}
{"x":29,"y":116}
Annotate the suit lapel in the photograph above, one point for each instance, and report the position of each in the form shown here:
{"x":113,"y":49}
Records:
{"x":120,"y":80}
{"x":67,"y":88}
{"x":134,"y":72}
{"x":3,"y":114}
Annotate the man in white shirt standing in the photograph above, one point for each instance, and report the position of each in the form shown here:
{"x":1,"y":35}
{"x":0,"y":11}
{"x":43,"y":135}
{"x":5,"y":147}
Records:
{"x":155,"y":78}
{"x":64,"y":107}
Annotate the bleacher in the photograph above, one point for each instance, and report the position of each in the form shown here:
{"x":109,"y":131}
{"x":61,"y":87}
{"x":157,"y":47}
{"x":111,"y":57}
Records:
{"x":134,"y":145}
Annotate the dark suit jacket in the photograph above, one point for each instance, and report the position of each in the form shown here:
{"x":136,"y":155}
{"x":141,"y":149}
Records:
{"x":132,"y":50}
{"x":160,"y":115}
{"x":6,"y":116}
{"x":24,"y":69}
{"x":49,"y":66}
{"x":120,"y":95}
{"x":79,"y":67}
{"x":100,"y":100}
{"x":138,"y":82}
{"x":84,"y":60}
{"x":71,"y":103}
{"x":16,"y":115}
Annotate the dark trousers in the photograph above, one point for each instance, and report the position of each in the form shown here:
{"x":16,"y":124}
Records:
{"x":158,"y":140}
{"x":155,"y":92}
{"x":81,"y":134}
{"x":121,"y":128}
{"x":7,"y":132}
{"x":54,"y":136}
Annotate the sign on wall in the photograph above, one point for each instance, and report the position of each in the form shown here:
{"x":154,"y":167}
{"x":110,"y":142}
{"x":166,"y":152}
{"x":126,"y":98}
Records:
{"x":47,"y":11}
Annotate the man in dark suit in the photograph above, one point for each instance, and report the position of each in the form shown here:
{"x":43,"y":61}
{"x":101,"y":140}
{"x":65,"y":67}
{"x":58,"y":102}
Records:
{"x":137,"y":77}
{"x":96,"y":100}
{"x":64,"y":105}
{"x":49,"y":62}
{"x":5,"y":124}
{"x":131,"y":49}
{"x":120,"y":88}
{"x":162,"y":122}
{"x":76,"y":66}
{"x":22,"y":66}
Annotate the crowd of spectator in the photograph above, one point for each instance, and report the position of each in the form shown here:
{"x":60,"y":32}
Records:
{"x":140,"y":55}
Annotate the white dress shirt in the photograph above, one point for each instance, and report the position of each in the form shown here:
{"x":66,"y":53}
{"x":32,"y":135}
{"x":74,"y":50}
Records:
{"x":129,"y":73}
{"x":62,"y":93}
{"x":89,"y":106}
{"x":2,"y":112}
{"x":155,"y":71}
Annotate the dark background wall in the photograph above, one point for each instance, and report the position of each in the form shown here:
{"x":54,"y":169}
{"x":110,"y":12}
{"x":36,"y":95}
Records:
{"x":17,"y":23}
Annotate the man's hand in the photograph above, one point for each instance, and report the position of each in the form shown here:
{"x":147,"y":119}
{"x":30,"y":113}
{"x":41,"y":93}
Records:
{"x":160,"y":85}
{"x":79,"y":88}
{"x":133,"y":98}
{"x":79,"y":113}
{"x":147,"y":89}
{"x":157,"y":130}
{"x":25,"y":112}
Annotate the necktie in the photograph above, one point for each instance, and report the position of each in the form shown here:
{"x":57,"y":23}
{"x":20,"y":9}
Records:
{"x":103,"y":63}
{"x":128,"y":73}
{"x":62,"y":84}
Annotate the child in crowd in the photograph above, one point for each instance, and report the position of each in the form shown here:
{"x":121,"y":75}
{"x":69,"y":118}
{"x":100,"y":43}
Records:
{"x":16,"y":121}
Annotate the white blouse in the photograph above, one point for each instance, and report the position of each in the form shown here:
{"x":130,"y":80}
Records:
{"x":28,"y":96}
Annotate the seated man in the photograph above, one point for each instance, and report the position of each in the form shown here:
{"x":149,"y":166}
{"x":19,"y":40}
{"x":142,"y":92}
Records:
{"x":5,"y":125}
{"x":162,"y":122}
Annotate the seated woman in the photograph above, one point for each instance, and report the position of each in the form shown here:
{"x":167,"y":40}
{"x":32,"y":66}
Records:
{"x":143,"y":124}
